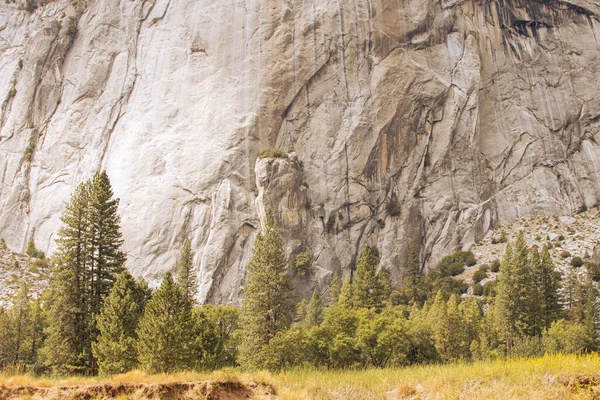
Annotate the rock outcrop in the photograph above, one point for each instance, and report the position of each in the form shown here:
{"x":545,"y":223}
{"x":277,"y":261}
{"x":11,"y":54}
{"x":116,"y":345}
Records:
{"x":426,"y":121}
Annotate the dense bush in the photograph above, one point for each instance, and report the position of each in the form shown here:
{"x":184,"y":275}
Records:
{"x":502,"y":239}
{"x":565,"y":337}
{"x":495,"y":267}
{"x":303,"y":261}
{"x":577,"y":262}
{"x":489,"y":289}
{"x":479,"y":275}
{"x":455,"y":264}
{"x":565,"y":254}
{"x":393,"y":207}
{"x":272,"y":152}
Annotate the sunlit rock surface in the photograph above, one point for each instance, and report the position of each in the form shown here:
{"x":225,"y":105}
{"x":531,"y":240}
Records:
{"x":464,"y":114}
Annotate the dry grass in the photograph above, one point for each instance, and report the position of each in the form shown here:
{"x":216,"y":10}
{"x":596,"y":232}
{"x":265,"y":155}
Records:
{"x":541,"y":378}
{"x":549,"y":377}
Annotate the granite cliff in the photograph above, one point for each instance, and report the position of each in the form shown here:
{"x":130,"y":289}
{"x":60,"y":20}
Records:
{"x":426,"y":121}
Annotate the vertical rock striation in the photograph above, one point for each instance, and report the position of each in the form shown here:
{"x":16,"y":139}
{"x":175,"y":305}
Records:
{"x":460,"y":114}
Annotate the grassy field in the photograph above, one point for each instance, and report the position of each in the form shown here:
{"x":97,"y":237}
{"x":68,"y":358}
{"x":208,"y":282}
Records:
{"x":550,"y":377}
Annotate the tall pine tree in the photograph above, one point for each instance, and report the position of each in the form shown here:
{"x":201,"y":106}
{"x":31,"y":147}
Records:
{"x":21,"y":317}
{"x":67,"y":349}
{"x":117,"y":324}
{"x":186,"y":274}
{"x":516,"y":307}
{"x":368,"y":290}
{"x":314,"y":311}
{"x":106,"y":258}
{"x":166,"y":340}
{"x":86,"y":264}
{"x":549,"y":284}
{"x":265,"y":311}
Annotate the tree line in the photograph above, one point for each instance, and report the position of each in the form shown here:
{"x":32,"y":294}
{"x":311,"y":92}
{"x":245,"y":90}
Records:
{"x":95,"y":318}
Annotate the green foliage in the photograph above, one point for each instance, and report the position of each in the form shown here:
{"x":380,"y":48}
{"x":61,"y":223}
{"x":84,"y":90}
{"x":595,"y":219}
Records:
{"x":412,"y":289}
{"x":303,"y":261}
{"x":186,"y":274}
{"x":593,"y":271}
{"x":30,"y":6}
{"x":526,"y":346}
{"x":265,"y":311}
{"x":314,"y":311}
{"x":566,"y":337}
{"x":576,"y":262}
{"x":32,"y":251}
{"x":455,"y":264}
{"x":502,"y":239}
{"x":217,"y":326}
{"x":117,"y":324}
{"x":528,"y":296}
{"x":166,"y":342}
{"x":565,"y":254}
{"x":393,"y":207}
{"x":495,"y":267}
{"x":382,"y":338}
{"x":369,"y":288}
{"x":272,"y":152}
{"x":330,"y":223}
{"x":21,"y":334}
{"x":335,"y":289}
{"x":72,"y":29}
{"x":477,"y":289}
{"x":516,"y":294}
{"x":479,"y":275}
{"x":86,"y":265}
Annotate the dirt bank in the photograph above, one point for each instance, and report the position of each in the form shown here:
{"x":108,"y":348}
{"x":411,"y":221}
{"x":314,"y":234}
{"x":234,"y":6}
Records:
{"x":210,"y":390}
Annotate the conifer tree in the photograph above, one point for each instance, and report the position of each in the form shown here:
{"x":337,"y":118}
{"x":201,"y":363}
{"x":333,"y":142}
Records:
{"x":21,"y":318}
{"x":106,"y":258}
{"x":523,"y":290}
{"x":537,"y":284}
{"x":471,"y":318}
{"x":334,"y":289}
{"x":31,"y":251}
{"x":37,"y":336}
{"x":6,"y":339}
{"x":346,"y":298}
{"x":385,"y":283}
{"x":412,"y":278}
{"x":574,"y":296}
{"x":86,"y":264}
{"x":221,"y":345}
{"x":459,"y":343}
{"x":314,"y":311}
{"x":440,"y":326}
{"x":367,"y":288}
{"x":165,"y":332}
{"x":590,"y":313}
{"x":300,"y":313}
{"x":517,"y":294}
{"x":67,"y":349}
{"x":504,"y":300}
{"x":117,"y":324}
{"x":549,"y":305}
{"x":186,"y":275}
{"x":265,"y":311}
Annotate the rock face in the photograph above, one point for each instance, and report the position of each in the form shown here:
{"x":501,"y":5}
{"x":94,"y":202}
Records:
{"x":426,"y":121}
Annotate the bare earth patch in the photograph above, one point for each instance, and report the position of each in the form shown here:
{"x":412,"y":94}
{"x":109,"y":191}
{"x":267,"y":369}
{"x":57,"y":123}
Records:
{"x":209,"y":390}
